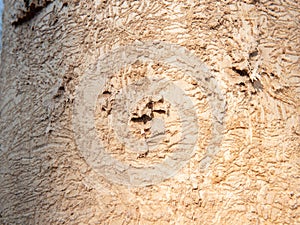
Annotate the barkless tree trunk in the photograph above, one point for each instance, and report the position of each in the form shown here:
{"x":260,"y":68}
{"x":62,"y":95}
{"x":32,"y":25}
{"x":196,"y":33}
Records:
{"x":150,"y":112}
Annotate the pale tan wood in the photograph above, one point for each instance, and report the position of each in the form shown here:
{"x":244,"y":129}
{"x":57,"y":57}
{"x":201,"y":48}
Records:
{"x":251,"y":49}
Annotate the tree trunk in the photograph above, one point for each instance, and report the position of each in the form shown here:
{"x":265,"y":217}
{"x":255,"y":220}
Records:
{"x":150,"y":112}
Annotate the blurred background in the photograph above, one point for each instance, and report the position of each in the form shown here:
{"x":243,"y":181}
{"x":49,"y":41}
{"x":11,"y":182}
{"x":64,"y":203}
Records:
{"x":1,"y":10}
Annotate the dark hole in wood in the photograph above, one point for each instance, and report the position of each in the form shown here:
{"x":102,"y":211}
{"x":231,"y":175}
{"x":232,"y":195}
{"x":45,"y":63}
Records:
{"x":160,"y":111}
{"x":106,"y":92}
{"x":253,"y":54}
{"x":143,"y":119}
{"x":240,"y":72}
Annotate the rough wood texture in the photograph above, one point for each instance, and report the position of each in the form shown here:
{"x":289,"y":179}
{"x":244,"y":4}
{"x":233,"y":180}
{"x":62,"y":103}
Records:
{"x":251,"y":47}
